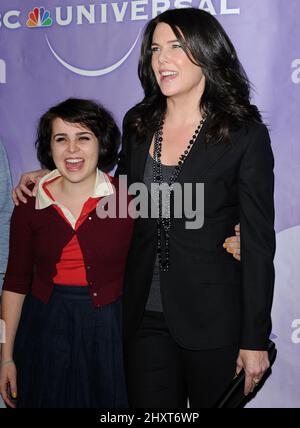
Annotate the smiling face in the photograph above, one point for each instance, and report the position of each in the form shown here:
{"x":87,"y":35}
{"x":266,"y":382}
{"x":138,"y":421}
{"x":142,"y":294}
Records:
{"x":75,"y":150}
{"x":175,"y":73}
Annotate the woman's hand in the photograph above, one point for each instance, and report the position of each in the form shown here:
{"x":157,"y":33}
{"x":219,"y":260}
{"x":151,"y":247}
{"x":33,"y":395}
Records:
{"x":254,"y":363}
{"x":8,"y":382}
{"x":233,"y":244}
{"x":26,"y":179}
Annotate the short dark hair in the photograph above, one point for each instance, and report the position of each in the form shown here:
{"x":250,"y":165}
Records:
{"x":226,"y":97}
{"x":89,"y":114}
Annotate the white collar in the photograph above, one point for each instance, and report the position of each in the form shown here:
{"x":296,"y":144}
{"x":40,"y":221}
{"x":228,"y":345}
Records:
{"x":103,"y":187}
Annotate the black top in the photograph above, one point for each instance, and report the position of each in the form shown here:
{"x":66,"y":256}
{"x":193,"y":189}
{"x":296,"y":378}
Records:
{"x":154,"y":302}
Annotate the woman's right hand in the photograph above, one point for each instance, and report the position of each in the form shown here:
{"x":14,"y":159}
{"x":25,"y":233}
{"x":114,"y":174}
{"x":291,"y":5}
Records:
{"x":233,"y":244}
{"x":8,"y":383}
{"x":26,"y":179}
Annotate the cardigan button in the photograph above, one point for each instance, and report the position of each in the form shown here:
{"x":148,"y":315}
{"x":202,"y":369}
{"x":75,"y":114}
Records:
{"x":90,"y":218}
{"x":95,"y":294}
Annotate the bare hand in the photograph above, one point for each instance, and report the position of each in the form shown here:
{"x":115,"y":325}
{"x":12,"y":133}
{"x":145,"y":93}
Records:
{"x":8,"y":383}
{"x":255,"y":363}
{"x":233,"y":244}
{"x":26,"y":179}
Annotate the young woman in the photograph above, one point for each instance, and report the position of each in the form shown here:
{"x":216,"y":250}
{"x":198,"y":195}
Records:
{"x":64,"y":339}
{"x":193,"y":316}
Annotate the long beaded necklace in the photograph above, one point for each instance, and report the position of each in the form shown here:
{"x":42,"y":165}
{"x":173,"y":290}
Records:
{"x":164,"y":218}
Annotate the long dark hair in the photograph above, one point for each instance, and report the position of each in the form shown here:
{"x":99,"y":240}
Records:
{"x":89,"y":114}
{"x":226,"y":97}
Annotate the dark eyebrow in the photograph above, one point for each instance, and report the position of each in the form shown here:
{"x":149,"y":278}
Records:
{"x":59,"y":135}
{"x":63,"y":134}
{"x":84,"y":132}
{"x":170,"y":41}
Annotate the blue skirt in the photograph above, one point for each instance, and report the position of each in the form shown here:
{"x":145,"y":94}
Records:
{"x":68,"y":353}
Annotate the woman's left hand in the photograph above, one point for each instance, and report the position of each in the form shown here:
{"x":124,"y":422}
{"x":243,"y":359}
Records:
{"x":255,"y":363}
{"x":233,"y":244}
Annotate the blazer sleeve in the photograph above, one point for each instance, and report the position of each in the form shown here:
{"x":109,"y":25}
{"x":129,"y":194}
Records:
{"x":19,"y":273}
{"x":256,"y":198}
{"x":6,"y":208}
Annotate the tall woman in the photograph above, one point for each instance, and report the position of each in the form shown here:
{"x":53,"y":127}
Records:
{"x":194,"y":316}
{"x":64,"y":339}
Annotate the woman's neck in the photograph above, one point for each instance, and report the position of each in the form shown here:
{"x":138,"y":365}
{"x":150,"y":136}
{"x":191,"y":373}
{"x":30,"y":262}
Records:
{"x":183,"y":112}
{"x":81,"y":190}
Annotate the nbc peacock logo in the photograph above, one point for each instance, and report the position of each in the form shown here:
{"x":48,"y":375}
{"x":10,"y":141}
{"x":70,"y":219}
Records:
{"x":39,"y":17}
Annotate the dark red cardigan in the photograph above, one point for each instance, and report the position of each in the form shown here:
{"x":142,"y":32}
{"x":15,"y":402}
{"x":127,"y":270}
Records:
{"x":37,"y":238}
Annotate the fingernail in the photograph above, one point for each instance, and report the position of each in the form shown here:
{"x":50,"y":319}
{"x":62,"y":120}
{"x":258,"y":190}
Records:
{"x":224,"y":245}
{"x":14,"y":394}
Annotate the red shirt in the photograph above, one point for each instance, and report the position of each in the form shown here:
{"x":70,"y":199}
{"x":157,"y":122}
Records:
{"x":70,"y":268}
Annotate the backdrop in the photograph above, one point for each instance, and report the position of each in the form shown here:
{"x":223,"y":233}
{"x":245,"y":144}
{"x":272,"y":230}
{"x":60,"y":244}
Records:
{"x":55,"y":49}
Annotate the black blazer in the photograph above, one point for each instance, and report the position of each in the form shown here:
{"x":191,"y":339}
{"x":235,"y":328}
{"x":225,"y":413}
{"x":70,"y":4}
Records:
{"x":210,"y":300}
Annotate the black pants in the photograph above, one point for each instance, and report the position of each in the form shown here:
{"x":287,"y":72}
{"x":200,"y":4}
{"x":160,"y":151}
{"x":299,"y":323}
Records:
{"x":161,"y":374}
